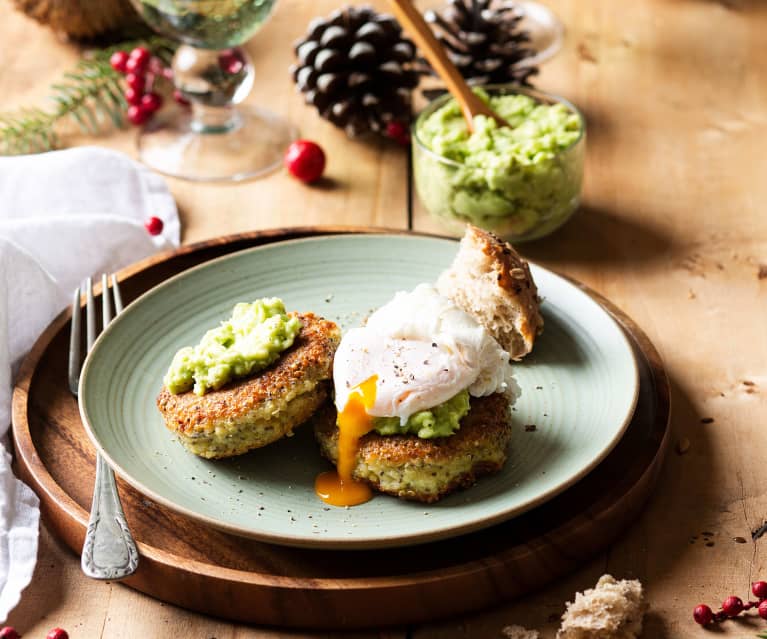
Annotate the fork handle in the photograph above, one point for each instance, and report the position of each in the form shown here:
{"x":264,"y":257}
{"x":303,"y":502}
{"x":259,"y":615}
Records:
{"x":109,"y":551}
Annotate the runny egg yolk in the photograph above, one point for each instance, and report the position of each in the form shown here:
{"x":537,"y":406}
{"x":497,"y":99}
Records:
{"x":338,"y":487}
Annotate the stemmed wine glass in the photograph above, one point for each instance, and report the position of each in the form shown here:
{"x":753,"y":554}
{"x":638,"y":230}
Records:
{"x":217,"y":139}
{"x":545,"y":29}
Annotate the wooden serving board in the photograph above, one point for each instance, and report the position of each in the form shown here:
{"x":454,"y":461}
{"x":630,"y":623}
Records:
{"x":196,"y":567}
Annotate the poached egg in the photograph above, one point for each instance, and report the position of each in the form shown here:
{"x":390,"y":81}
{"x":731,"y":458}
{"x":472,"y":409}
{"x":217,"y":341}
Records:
{"x":423,"y":350}
{"x":415,"y":352}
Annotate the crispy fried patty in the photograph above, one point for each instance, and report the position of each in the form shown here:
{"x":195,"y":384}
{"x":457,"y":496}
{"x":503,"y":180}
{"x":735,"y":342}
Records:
{"x":257,"y":410}
{"x":427,"y":469}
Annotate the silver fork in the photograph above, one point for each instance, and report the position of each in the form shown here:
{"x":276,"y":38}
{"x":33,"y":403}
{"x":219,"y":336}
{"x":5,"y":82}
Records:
{"x":109,"y":551}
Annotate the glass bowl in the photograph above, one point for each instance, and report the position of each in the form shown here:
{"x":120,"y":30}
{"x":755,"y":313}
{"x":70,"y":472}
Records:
{"x":518,"y":200}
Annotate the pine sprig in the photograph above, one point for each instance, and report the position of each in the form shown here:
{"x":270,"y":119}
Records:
{"x":90,"y":96}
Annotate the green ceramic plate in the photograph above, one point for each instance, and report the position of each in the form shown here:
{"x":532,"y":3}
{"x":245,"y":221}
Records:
{"x":579,"y":388}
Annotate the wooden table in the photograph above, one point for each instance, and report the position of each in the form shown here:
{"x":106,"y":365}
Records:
{"x":672,"y":229}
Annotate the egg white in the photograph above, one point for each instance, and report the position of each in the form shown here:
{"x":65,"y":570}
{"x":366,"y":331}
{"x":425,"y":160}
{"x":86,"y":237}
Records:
{"x":423,"y":350}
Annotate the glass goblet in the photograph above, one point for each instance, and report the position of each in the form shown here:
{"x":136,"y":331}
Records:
{"x":545,"y":29}
{"x":216,"y":139}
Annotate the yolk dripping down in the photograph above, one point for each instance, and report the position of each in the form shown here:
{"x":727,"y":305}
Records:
{"x":337,"y":487}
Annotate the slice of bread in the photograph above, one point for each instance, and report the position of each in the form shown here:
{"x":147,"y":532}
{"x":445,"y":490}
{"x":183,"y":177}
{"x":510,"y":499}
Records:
{"x":489,"y":280}
{"x":611,"y":610}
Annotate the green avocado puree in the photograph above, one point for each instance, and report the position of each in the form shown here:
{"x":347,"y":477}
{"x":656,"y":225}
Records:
{"x":246,"y":343}
{"x":509,"y":179}
{"x":440,"y":421}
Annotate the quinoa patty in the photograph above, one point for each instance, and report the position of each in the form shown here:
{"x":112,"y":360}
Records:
{"x":255,"y":411}
{"x":426,"y":470}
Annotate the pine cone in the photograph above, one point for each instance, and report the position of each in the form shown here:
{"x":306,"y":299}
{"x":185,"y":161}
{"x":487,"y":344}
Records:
{"x":78,"y":19}
{"x":483,"y":39}
{"x":355,"y":67}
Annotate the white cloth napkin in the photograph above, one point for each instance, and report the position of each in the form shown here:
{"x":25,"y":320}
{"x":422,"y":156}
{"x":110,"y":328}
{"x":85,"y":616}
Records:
{"x":64,"y":216}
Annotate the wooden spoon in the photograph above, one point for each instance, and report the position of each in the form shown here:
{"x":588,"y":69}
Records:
{"x":412,"y":21}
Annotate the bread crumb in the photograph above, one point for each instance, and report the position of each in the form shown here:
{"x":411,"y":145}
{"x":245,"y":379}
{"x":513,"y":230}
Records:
{"x":611,"y":610}
{"x":518,"y":632}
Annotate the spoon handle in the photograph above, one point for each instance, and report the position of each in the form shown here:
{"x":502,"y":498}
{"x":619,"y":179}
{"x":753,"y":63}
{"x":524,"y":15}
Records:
{"x":412,"y":21}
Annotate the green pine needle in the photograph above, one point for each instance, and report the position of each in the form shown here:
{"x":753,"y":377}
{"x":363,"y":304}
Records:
{"x":90,"y":95}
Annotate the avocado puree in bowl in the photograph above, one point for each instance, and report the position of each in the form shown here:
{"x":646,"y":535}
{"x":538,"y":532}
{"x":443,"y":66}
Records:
{"x":521,"y":181}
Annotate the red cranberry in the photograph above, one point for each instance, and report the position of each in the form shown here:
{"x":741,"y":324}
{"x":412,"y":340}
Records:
{"x":9,"y":632}
{"x":118,"y":60}
{"x":57,"y":633}
{"x":732,"y":606}
{"x":395,"y":129}
{"x":137,"y":114}
{"x":154,"y":225}
{"x":231,"y":61}
{"x":135,"y":82}
{"x":305,"y":160}
{"x":398,"y":132}
{"x":759,"y":588}
{"x":702,"y":614}
{"x":134,"y":66}
{"x":156,"y":66}
{"x":140,"y":57}
{"x":151,"y":102}
{"x":179,"y":97}
{"x":132,"y":96}
{"x":762,"y":609}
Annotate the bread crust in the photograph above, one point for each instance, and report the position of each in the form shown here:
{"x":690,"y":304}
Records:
{"x":491,"y":281}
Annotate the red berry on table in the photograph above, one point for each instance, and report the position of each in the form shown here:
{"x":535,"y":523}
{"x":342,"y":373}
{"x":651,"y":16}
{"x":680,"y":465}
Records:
{"x":154,"y":225}
{"x":118,"y":61}
{"x":137,"y":114}
{"x":132,"y":96}
{"x":151,"y":102}
{"x":759,"y":588}
{"x":9,"y":632}
{"x":395,"y":129}
{"x":732,"y":606}
{"x":135,"y":82}
{"x":398,"y":132}
{"x":702,"y":614}
{"x":762,"y":609}
{"x":57,"y":633}
{"x":179,"y":97}
{"x":305,"y":160}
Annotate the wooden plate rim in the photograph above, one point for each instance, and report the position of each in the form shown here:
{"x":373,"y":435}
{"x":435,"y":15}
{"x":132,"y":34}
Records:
{"x":43,"y":482}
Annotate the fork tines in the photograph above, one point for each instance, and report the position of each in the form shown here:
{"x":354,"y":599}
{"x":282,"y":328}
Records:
{"x":90,"y":322}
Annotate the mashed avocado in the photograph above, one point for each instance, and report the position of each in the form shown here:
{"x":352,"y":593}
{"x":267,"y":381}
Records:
{"x":440,"y":421}
{"x":246,"y":343}
{"x":520,"y":181}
